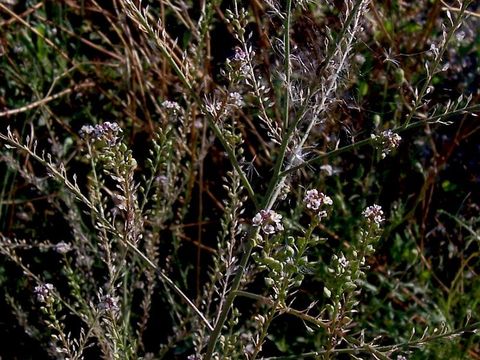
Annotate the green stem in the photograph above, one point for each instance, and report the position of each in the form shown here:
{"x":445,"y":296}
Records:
{"x":431,"y":72}
{"x":253,"y":232}
{"x":170,"y":283}
{"x":377,"y":350}
{"x":287,"y":63}
{"x":282,"y":309}
{"x":266,"y":325}
{"x":432,"y":120}
{"x":232,"y":294}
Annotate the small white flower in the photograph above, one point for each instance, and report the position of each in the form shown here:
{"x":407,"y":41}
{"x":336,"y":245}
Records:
{"x":62,"y":247}
{"x":374,"y":214}
{"x":387,"y":141}
{"x":343,"y":262}
{"x":391,"y":138}
{"x":108,"y":132}
{"x":43,"y":292}
{"x":109,"y":303}
{"x":86,"y":130}
{"x":245,"y":70}
{"x":236,"y":99}
{"x":269,"y":221}
{"x":171,"y":105}
{"x":240,"y":55}
{"x":314,"y":201}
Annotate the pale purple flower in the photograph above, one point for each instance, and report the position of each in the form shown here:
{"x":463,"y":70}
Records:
{"x":87,"y":130}
{"x":241,"y":58}
{"x":269,"y":221}
{"x":374,"y":214}
{"x":109,"y":303}
{"x":387,"y":141}
{"x":315,"y":200}
{"x":171,"y":105}
{"x":236,"y":99}
{"x":108,"y":132}
{"x":43,"y":292}
{"x":62,"y":247}
{"x":240,"y":55}
{"x":391,"y":139}
{"x":162,"y":179}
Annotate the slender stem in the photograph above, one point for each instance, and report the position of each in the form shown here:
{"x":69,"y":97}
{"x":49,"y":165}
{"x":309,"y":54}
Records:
{"x":286,"y":110}
{"x":378,"y":350}
{"x":350,"y":27}
{"x":467,"y":109}
{"x":432,"y":120}
{"x":327,"y":155}
{"x":264,"y":332}
{"x":283,"y":309}
{"x":167,"y":280}
{"x":278,"y":177}
{"x":275,"y":180}
{"x":272,"y":193}
{"x":231,"y":296}
{"x":431,"y":71}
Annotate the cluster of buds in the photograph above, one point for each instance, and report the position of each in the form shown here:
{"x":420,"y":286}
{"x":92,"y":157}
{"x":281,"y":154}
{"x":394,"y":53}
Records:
{"x":235,"y":99}
{"x":387,"y":141}
{"x":374,"y":215}
{"x":341,"y":264}
{"x":269,"y":221}
{"x":215,"y":107}
{"x":171,"y":106}
{"x":109,"y":303}
{"x":44,"y":292}
{"x":222,"y":105}
{"x":241,"y":61}
{"x":315,"y":201}
{"x":107,"y":132}
{"x":62,"y":247}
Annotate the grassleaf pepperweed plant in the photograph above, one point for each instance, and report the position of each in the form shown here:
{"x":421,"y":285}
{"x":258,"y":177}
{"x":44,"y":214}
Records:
{"x":232,"y":180}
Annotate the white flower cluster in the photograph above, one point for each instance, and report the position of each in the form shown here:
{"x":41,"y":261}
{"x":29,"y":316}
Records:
{"x":109,"y":303}
{"x":340,"y":264}
{"x":171,"y":105}
{"x":220,"y":106}
{"x":241,"y":59}
{"x":374,"y":214}
{"x":43,"y":292}
{"x":388,"y":141}
{"x":235,"y":99}
{"x":62,"y":247}
{"x":269,"y":221}
{"x":315,"y":200}
{"x":107,"y":132}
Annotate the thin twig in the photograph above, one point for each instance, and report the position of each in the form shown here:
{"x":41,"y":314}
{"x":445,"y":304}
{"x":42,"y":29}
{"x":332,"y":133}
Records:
{"x":47,"y":99}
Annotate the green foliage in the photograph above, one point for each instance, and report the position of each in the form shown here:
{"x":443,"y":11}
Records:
{"x":200,"y":180}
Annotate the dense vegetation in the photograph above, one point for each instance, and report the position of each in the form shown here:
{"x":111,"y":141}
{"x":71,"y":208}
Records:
{"x":239,"y":179}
